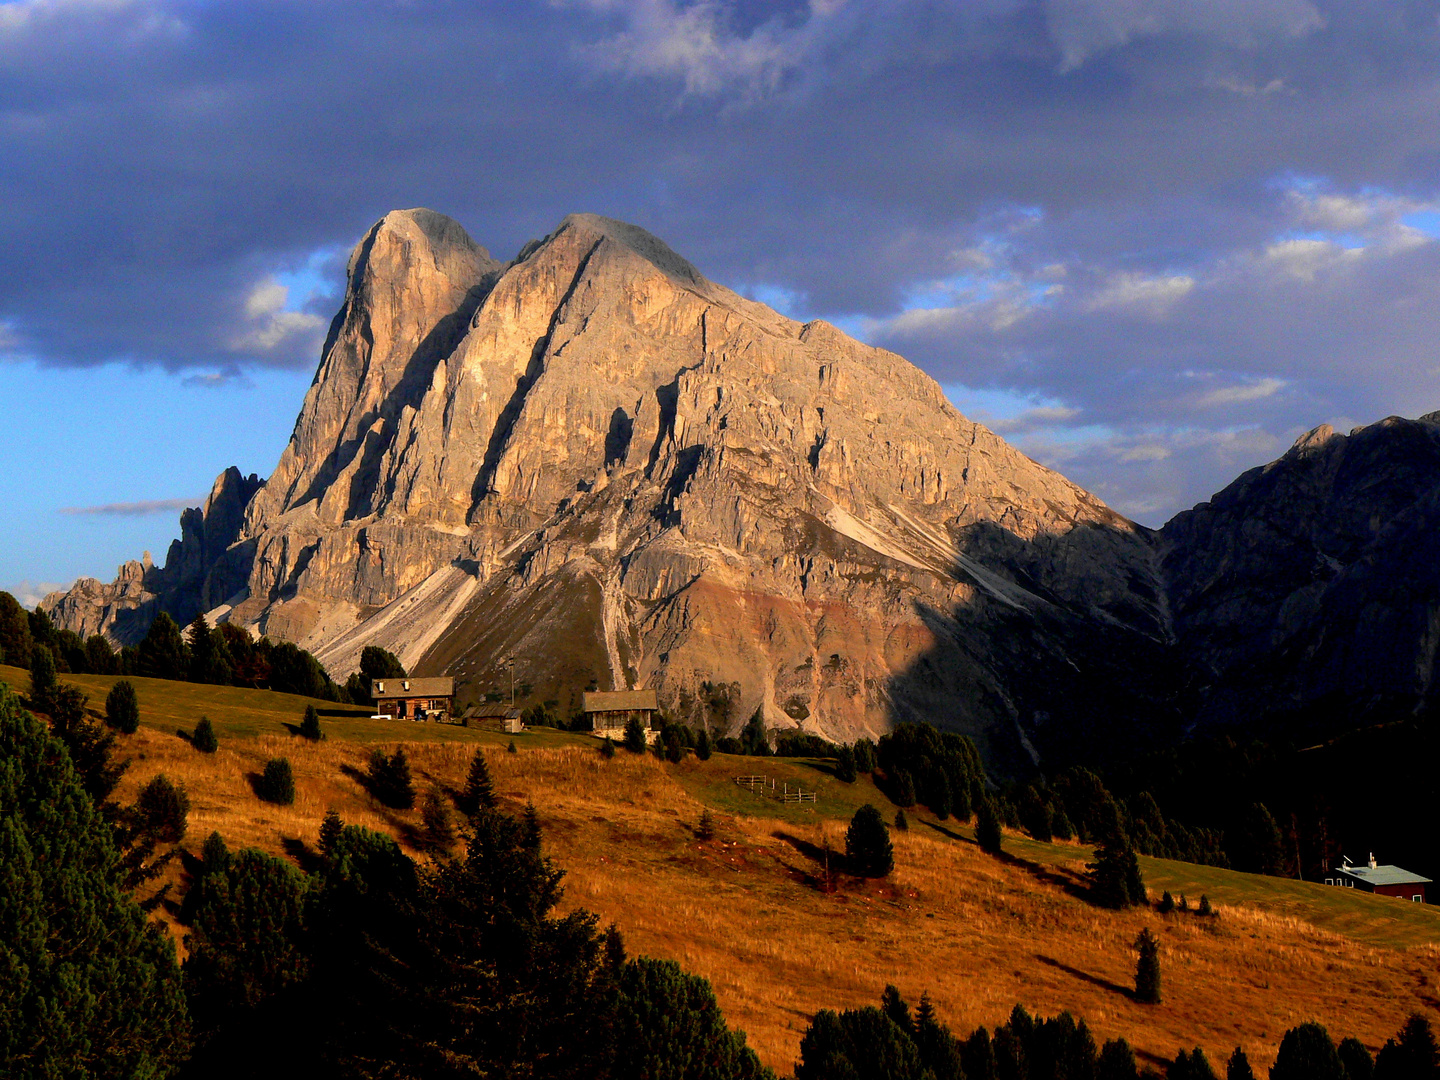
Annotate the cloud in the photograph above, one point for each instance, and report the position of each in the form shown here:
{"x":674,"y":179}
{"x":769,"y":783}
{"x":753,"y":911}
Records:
{"x":269,"y":328}
{"x":1042,"y":416}
{"x":30,"y":593}
{"x":1130,"y":291}
{"x":1240,"y":395}
{"x":132,"y":509}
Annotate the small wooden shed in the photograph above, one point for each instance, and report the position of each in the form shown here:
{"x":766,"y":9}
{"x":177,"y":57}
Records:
{"x":414,"y":699}
{"x":608,"y":711}
{"x":506,"y":716}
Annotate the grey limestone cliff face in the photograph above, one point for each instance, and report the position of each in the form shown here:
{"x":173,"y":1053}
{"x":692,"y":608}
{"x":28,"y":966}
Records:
{"x":1309,"y":589}
{"x":596,"y":460}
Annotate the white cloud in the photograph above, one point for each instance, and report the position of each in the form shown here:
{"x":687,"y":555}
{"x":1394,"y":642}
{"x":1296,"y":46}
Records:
{"x":1132,"y":291}
{"x":1304,"y":258}
{"x":30,"y":593}
{"x":1038,"y":417}
{"x":132,"y":509}
{"x":270,"y":325}
{"x":1240,"y":395}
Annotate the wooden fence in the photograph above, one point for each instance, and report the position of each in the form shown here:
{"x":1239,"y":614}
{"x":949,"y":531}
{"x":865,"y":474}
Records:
{"x":783,"y":792}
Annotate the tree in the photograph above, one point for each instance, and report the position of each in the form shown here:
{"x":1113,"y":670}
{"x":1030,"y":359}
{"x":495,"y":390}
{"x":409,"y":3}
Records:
{"x":668,"y":1026}
{"x":1114,"y":877}
{"x":1238,"y":1067}
{"x":378,"y":663}
{"x":634,"y":736}
{"x":388,"y":779}
{"x":893,"y":1005}
{"x":702,"y":745}
{"x":162,"y":653}
{"x":209,"y":660}
{"x":1255,"y":843}
{"x":867,"y":843}
{"x":902,"y":823}
{"x":705,"y":829}
{"x":89,"y":988}
{"x":1147,"y":969}
{"x":162,"y":810}
{"x":673,"y":750}
{"x":1359,"y":1065}
{"x":42,"y":678}
{"x":1307,"y":1053}
{"x":204,"y":738}
{"x":329,"y":829}
{"x":1192,"y":1066}
{"x":987,"y":827}
{"x":938,"y":1049}
{"x":15,"y":637}
{"x":845,"y":770}
{"x":99,"y":656}
{"x":754,"y":739}
{"x":1412,"y":1055}
{"x":310,"y":725}
{"x":1116,"y":1061}
{"x":511,"y":748}
{"x":855,"y":1044}
{"x":277,"y":782}
{"x":903,"y":788}
{"x":864,"y":755}
{"x":479,"y":793}
{"x":89,"y":745}
{"x":438,"y":831}
{"x":122,"y":708}
{"x":607,"y":747}
{"x":940,"y":797}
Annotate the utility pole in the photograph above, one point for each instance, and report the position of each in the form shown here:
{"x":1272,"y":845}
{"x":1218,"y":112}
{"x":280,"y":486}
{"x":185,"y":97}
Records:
{"x":510,"y":663}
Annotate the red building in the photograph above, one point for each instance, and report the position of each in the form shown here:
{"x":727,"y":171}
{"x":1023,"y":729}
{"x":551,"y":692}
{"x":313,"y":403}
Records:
{"x":1383,"y":880}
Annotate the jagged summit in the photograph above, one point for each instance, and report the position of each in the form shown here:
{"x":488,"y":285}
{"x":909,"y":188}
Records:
{"x":598,"y":461}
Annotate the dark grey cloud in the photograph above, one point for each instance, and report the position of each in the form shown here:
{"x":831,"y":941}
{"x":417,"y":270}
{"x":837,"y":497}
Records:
{"x":1117,"y":208}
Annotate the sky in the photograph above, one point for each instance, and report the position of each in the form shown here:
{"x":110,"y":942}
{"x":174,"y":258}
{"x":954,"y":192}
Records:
{"x":1148,"y":241}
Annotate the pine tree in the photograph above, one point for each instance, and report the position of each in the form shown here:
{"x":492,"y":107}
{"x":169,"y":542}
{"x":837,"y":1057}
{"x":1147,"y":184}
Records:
{"x":1238,"y":1068}
{"x":634,"y":736}
{"x":1167,"y":903}
{"x":867,"y":843}
{"x":673,"y":750}
{"x":938,"y":1050}
{"x":511,"y":748}
{"x":15,"y":638}
{"x":90,"y":989}
{"x":1114,"y":876}
{"x":902,"y":823}
{"x":1359,"y":1065}
{"x":329,"y":830}
{"x":705,"y":830}
{"x":1413,"y":1054}
{"x":310,"y":725}
{"x":276,"y":783}
{"x":1147,"y":969}
{"x":89,"y":744}
{"x":845,"y":766}
{"x":42,"y":678}
{"x":204,"y":738}
{"x":1307,"y":1053}
{"x":162,"y":653}
{"x":1203,"y":908}
{"x":122,"y":708}
{"x":987,"y":827}
{"x":530,"y":828}
{"x":607,"y":748}
{"x":895,"y":1007}
{"x":438,"y":831}
{"x":903,"y":786}
{"x":1116,"y":1061}
{"x":388,"y":779}
{"x":162,"y":810}
{"x":702,"y":746}
{"x":940,"y":797}
{"x":479,"y":792}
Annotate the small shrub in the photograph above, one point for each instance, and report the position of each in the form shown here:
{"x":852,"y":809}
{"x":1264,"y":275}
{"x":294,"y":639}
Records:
{"x":511,"y":748}
{"x":705,"y":830}
{"x":634,"y":736}
{"x":204,"y":738}
{"x":122,"y":708}
{"x":389,"y":779}
{"x":310,"y":725}
{"x":162,"y":810}
{"x":607,"y":747}
{"x":1167,"y":903}
{"x":277,"y":782}
{"x":1204,"y":908}
{"x":987,"y":827}
{"x":901,"y":821}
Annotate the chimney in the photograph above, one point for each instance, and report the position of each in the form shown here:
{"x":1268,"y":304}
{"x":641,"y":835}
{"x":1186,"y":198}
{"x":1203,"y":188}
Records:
{"x":380,"y":687}
{"x":1372,"y":860}
{"x":406,"y":685}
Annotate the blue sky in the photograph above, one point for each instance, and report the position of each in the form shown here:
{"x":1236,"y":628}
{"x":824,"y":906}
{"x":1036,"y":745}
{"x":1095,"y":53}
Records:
{"x":1149,"y":241}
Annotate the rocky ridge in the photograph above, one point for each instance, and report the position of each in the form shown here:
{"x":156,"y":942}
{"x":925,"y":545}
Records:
{"x":597,"y":461}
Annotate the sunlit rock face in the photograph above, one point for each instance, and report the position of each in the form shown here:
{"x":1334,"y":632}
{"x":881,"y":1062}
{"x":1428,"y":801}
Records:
{"x":595,"y":460}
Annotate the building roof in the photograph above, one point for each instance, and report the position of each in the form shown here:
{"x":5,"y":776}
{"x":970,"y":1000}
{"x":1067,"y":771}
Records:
{"x":492,"y":710}
{"x":620,"y":700}
{"x":438,"y":686}
{"x":1382,"y":875}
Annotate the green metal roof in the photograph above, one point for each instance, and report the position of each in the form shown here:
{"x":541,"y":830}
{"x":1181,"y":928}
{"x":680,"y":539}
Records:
{"x":1382,"y":875}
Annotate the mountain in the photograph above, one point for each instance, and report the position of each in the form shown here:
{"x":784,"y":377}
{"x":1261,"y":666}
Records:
{"x":595,"y":460}
{"x":1307,"y":593}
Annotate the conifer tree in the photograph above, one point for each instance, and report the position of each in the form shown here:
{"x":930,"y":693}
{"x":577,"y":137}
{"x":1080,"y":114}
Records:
{"x":894,"y":1006}
{"x":1307,"y":1053}
{"x":438,"y":830}
{"x":42,"y":678}
{"x":902,"y":823}
{"x":90,"y":746}
{"x":1114,"y":876}
{"x":702,"y":745}
{"x":511,"y":748}
{"x":1116,"y":1061}
{"x":310,"y":725}
{"x":977,"y":1055}
{"x":16,"y":640}
{"x":1238,"y":1067}
{"x":845,"y":770}
{"x":1413,"y":1054}
{"x":90,"y":989}
{"x":938,"y":1050}
{"x":122,"y":708}
{"x":162,"y":653}
{"x":705,"y":829}
{"x":987,"y":827}
{"x":1147,"y":969}
{"x":479,"y":791}
{"x":1359,"y":1065}
{"x":204,"y":738}
{"x":940,"y":798}
{"x":530,"y":828}
{"x":903,"y":785}
{"x":277,"y":782}
{"x":634,"y":736}
{"x":867,"y":843}
{"x":607,"y":748}
{"x":388,"y":779}
{"x":162,"y":810}
{"x":329,"y":829}
{"x":1204,"y":909}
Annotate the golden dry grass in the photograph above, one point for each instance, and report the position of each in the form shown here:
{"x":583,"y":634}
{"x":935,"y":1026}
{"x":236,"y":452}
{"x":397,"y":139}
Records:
{"x":748,"y":910}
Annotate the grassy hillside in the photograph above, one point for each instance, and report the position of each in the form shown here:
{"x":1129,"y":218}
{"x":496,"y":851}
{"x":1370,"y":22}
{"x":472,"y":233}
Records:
{"x":753,"y":911}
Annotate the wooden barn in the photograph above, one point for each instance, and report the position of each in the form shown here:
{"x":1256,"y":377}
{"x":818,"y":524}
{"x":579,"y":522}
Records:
{"x":414,"y":699}
{"x":1384,"y":880}
{"x":608,"y":711}
{"x":491,"y":713}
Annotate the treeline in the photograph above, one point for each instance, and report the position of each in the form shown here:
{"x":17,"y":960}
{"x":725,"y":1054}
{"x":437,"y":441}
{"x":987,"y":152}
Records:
{"x":369,"y":965}
{"x":223,"y":655}
{"x":891,"y":1042}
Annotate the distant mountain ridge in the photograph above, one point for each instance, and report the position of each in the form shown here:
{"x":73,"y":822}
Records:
{"x":598,"y":461}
